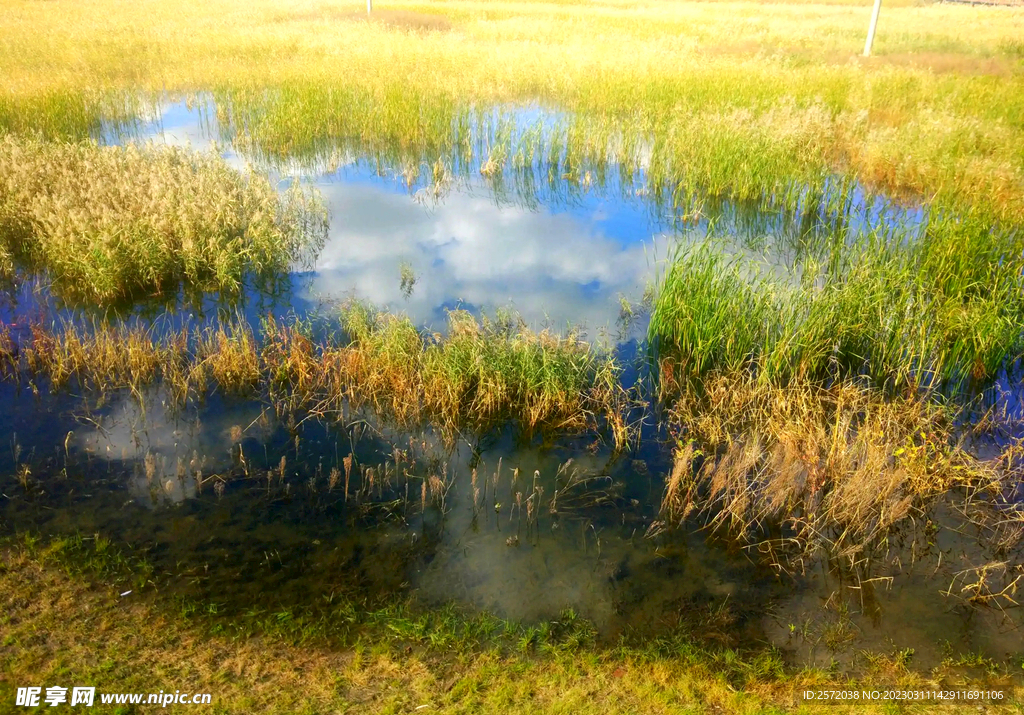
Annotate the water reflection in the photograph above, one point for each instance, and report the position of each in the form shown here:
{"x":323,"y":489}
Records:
{"x":557,"y":268}
{"x":262,"y":500}
{"x":261,"y":513}
{"x":558,"y":247}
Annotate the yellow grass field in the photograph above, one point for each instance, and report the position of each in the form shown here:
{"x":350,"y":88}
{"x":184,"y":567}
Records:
{"x":936,"y":112}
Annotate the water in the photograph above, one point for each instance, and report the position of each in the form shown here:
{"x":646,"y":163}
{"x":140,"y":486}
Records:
{"x":285,"y":543}
{"x":236,"y":536}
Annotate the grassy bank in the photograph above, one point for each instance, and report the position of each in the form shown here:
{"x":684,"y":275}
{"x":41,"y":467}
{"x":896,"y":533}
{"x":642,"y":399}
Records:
{"x":110,"y":223}
{"x":739,"y":98}
{"x":64,"y":621}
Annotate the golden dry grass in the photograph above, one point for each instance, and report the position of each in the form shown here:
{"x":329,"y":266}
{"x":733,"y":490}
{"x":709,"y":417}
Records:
{"x":842,"y":467}
{"x":109,"y":223}
{"x":478,"y":377}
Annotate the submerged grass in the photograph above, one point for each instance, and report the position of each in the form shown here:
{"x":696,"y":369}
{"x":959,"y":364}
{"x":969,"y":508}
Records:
{"x":111,"y":223}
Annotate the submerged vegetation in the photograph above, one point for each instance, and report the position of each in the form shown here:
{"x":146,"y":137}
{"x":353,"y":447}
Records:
{"x":111,"y":223}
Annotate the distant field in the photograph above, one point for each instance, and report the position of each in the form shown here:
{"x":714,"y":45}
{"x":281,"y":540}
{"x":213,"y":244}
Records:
{"x":937,"y":112}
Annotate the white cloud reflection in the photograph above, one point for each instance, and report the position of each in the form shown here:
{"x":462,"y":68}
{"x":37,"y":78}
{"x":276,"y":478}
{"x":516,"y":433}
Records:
{"x":554,"y":267}
{"x":549,"y":266}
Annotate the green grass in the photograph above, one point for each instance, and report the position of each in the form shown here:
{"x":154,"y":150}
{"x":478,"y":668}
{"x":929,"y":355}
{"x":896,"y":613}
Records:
{"x":109,"y":224}
{"x":937,"y":310}
{"x":65,"y":621}
{"x":490,"y":371}
{"x":739,"y":98}
{"x":480,"y":376}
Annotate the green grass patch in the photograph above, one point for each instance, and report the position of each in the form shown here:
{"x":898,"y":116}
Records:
{"x":112,"y":223}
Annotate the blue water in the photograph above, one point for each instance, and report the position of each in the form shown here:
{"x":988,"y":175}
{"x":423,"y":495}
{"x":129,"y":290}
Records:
{"x":559,"y":254}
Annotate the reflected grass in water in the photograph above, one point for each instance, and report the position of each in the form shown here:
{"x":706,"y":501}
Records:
{"x":110,"y":223}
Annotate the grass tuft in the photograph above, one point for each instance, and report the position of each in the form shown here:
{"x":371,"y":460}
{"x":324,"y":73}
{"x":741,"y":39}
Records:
{"x":112,"y":223}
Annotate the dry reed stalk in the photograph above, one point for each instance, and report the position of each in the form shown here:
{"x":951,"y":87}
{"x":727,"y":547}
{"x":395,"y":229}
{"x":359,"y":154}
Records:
{"x":347,"y":461}
{"x":845,"y":462}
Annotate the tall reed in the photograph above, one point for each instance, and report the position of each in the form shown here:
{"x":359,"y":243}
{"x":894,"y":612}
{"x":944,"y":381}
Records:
{"x":939,"y":309}
{"x":481,"y":375}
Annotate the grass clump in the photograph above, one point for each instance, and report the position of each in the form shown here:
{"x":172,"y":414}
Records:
{"x":122,"y":355}
{"x":6,"y":263}
{"x":825,"y":402}
{"x":111,"y":223}
{"x":496,"y":365}
{"x":942,"y":309}
{"x":838,"y":467}
{"x":478,"y":377}
{"x":480,"y":374}
{"x":231,"y":357}
{"x":708,"y":315}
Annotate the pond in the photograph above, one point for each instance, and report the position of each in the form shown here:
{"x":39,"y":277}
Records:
{"x":236,"y":504}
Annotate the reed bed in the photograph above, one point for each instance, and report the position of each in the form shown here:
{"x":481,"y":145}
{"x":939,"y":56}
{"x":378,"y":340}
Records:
{"x":483,"y":374}
{"x":817,"y":408}
{"x":740,"y":107}
{"x":480,"y":374}
{"x":111,"y":223}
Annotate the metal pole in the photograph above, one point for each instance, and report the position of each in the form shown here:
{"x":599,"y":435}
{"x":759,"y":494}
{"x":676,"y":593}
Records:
{"x":369,"y":6}
{"x":871,"y":29}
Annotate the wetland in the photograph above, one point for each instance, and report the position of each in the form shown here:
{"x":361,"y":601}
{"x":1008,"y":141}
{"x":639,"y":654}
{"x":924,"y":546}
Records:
{"x":488,"y":399}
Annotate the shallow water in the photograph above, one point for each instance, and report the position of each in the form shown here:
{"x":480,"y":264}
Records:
{"x":558,"y":256}
{"x":558,"y":250}
{"x":286,"y":543}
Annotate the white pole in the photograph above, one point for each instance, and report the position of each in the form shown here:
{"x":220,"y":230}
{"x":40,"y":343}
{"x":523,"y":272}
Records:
{"x":369,"y":6}
{"x":871,"y":29}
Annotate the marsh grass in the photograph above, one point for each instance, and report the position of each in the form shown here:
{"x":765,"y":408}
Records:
{"x":838,"y":467}
{"x":481,"y":375}
{"x":112,"y":223}
{"x":100,"y":358}
{"x":939,"y":310}
{"x":742,"y":108}
{"x":825,"y":400}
